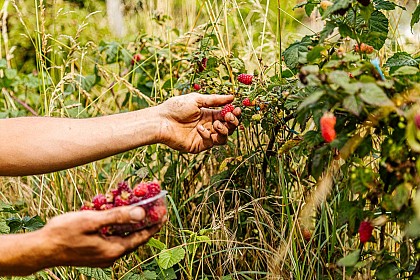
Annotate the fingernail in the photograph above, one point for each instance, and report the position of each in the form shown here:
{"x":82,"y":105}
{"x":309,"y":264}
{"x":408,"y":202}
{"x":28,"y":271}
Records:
{"x":136,"y":214}
{"x":201,"y":128}
{"x":231,"y":118}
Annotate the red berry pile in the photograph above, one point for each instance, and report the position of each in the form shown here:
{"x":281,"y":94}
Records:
{"x":365,"y":231}
{"x":227,"y":109}
{"x":245,"y":78}
{"x":327,"y":127}
{"x":123,"y":195}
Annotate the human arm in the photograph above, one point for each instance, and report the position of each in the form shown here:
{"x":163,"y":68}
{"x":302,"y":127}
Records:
{"x":36,"y":145}
{"x":72,"y":239}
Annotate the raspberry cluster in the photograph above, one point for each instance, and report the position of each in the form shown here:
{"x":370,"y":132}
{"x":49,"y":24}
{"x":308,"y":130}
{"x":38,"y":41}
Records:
{"x":245,"y":79}
{"x":136,"y":58}
{"x":123,"y":195}
{"x":363,"y":48}
{"x":227,"y":109}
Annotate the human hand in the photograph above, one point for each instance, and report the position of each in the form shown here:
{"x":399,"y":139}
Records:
{"x":74,"y":238}
{"x":190,"y":126}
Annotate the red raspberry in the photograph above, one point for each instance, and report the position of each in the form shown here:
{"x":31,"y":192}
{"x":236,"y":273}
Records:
{"x":119,"y":201}
{"x":140,"y":189}
{"x":245,"y":78}
{"x":123,"y":186}
{"x":417,"y":120}
{"x":134,"y":199}
{"x":87,"y":206}
{"x":327,"y":127}
{"x":98,"y":201}
{"x":350,"y":75}
{"x":365,"y":231}
{"x":115,"y":192}
{"x":156,"y":213}
{"x":107,"y":206}
{"x":153,"y":188}
{"x":136,"y":58}
{"x":202,"y":65}
{"x":196,"y":86}
{"x":106,"y":230}
{"x":226,"y":109}
{"x":246,"y":102}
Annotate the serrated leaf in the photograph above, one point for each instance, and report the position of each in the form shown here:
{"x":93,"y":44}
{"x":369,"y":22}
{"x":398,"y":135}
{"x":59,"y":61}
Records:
{"x":314,"y":97}
{"x":309,"y":8}
{"x":153,"y":242}
{"x":353,"y":105}
{"x":338,"y":5}
{"x":170,"y":257}
{"x":371,"y":94}
{"x":97,"y":273}
{"x":33,"y":223}
{"x":167,"y":274}
{"x":386,"y":5}
{"x":406,"y":70}
{"x":378,"y":30}
{"x":401,"y":59}
{"x":146,"y":275}
{"x":4,"y":228}
{"x":415,"y":17}
{"x":296,"y":52}
{"x":350,"y":260}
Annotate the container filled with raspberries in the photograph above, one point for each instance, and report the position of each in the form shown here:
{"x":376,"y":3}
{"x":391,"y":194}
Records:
{"x":147,"y":195}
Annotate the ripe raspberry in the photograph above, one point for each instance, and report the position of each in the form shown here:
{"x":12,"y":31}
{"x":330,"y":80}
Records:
{"x":246,"y":102}
{"x":202,"y":65}
{"x":226,"y":109}
{"x":140,"y":189}
{"x":98,"y":201}
{"x":327,"y":127}
{"x":350,"y":75}
{"x":118,"y":201}
{"x":365,"y":231}
{"x":106,"y":230}
{"x":153,"y":188}
{"x":115,"y":192}
{"x":136,"y":58}
{"x":417,"y":120}
{"x":107,"y":206}
{"x":196,"y":86}
{"x":245,"y":78}
{"x":156,"y":213}
{"x":134,"y":199}
{"x":87,"y":206}
{"x":123,"y":186}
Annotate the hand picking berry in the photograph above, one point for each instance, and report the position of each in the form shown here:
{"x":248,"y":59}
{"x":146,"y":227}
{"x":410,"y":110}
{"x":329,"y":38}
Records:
{"x":327,"y":127}
{"x":365,"y":231}
{"x":245,"y":78}
{"x":227,"y":109}
{"x":146,"y":195}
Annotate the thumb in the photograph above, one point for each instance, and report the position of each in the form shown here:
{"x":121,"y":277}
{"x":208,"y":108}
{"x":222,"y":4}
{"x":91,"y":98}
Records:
{"x":121,"y":215}
{"x":213,"y":100}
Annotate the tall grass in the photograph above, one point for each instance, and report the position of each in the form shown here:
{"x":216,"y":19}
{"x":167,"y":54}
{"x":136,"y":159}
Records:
{"x":251,"y":214}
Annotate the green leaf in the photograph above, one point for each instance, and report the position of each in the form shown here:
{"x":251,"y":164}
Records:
{"x":153,"y":242}
{"x":296,"y":52}
{"x":378,"y":30}
{"x":387,"y":271}
{"x":338,"y":5}
{"x":170,"y":257}
{"x":406,"y":70}
{"x":4,"y":228}
{"x":386,"y":5}
{"x":7,"y":208}
{"x":33,"y":223}
{"x":15,"y":224}
{"x":97,"y":273}
{"x":146,"y":275}
{"x":309,"y":8}
{"x":315,"y":53}
{"x":3,"y":63}
{"x":415,"y":17}
{"x":10,"y":73}
{"x":339,"y":78}
{"x":372,"y":94}
{"x":167,"y":274}
{"x":311,"y":99}
{"x":400,"y":196}
{"x":327,"y":30}
{"x":401,"y":59}
{"x":350,"y":260}
{"x":352,"y":104}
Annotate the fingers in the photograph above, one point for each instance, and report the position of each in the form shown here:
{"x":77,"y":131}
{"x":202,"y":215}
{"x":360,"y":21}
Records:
{"x":206,"y":136}
{"x":214,"y":100}
{"x":221,"y":133}
{"x":232,"y":120}
{"x":118,"y":215}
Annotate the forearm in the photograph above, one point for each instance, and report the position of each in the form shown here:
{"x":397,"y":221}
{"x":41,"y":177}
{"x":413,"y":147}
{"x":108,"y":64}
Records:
{"x":35,"y":145}
{"x":22,"y":254}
